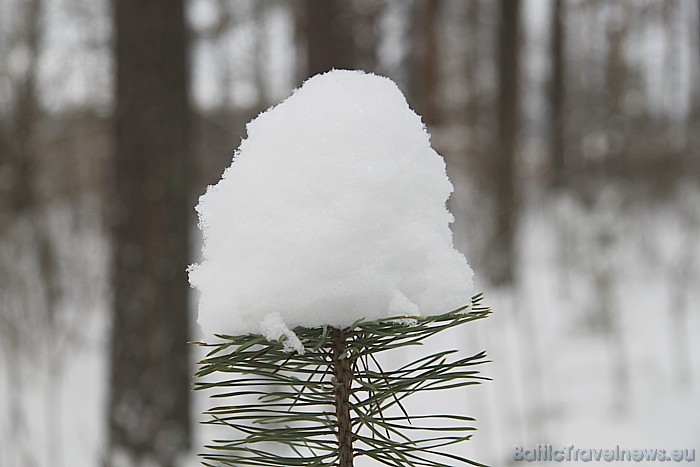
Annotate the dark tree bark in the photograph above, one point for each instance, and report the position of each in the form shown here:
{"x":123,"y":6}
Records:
{"x":329,"y":36}
{"x":504,"y":176}
{"x":425,"y":64}
{"x":695,"y":118}
{"x":471,"y":20}
{"x":150,"y":377}
{"x":557,"y":95}
{"x":342,"y":371}
{"x":366,"y":33}
{"x":617,"y":77}
{"x":21,"y":154}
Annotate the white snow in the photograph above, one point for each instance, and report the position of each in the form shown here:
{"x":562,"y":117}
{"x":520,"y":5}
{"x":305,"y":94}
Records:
{"x":333,"y":209}
{"x":273,"y":328}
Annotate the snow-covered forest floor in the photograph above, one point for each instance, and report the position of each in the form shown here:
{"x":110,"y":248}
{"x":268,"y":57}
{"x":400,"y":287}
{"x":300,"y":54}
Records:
{"x":597,"y":346}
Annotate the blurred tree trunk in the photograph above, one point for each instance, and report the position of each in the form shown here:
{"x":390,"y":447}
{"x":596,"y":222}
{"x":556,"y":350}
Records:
{"x":366,"y":36}
{"x":695,"y":116}
{"x":670,"y":84}
{"x":425,"y":59}
{"x":149,"y":414}
{"x":329,"y":36}
{"x":25,"y":116}
{"x":260,"y":11}
{"x":20,"y":157}
{"x":617,"y":72}
{"x":473,"y":106}
{"x":503,"y":254}
{"x":557,"y":95}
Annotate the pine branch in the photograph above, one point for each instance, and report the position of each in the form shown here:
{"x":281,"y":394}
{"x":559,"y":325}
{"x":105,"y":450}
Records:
{"x":335,"y":402}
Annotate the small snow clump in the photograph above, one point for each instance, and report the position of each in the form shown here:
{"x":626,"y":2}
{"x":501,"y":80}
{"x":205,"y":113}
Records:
{"x":333,"y":209}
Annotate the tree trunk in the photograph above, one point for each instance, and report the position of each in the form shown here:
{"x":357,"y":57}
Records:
{"x":149,"y":417}
{"x":557,"y":95}
{"x":473,"y":106}
{"x":617,"y":74}
{"x":342,"y":371}
{"x":503,"y":253}
{"x":260,"y":12}
{"x":425,"y":60}
{"x":367,"y":36}
{"x":329,"y":37}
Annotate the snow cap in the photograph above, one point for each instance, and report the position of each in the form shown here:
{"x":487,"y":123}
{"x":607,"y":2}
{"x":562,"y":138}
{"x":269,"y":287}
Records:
{"x":333,"y":209}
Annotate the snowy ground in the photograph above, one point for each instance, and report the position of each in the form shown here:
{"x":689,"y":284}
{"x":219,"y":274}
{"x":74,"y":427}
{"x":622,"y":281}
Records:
{"x":597,"y":347}
{"x":563,"y":377}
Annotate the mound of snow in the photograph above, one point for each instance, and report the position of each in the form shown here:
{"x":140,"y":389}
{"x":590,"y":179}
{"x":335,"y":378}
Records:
{"x":333,"y":209}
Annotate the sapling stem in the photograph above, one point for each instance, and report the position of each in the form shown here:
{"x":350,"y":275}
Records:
{"x":342,"y":370}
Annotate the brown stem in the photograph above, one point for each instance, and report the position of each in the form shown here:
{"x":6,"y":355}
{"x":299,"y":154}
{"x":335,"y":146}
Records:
{"x":342,"y":370}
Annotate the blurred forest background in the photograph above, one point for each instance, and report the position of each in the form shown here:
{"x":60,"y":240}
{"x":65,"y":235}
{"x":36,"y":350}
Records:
{"x":571,"y":130}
